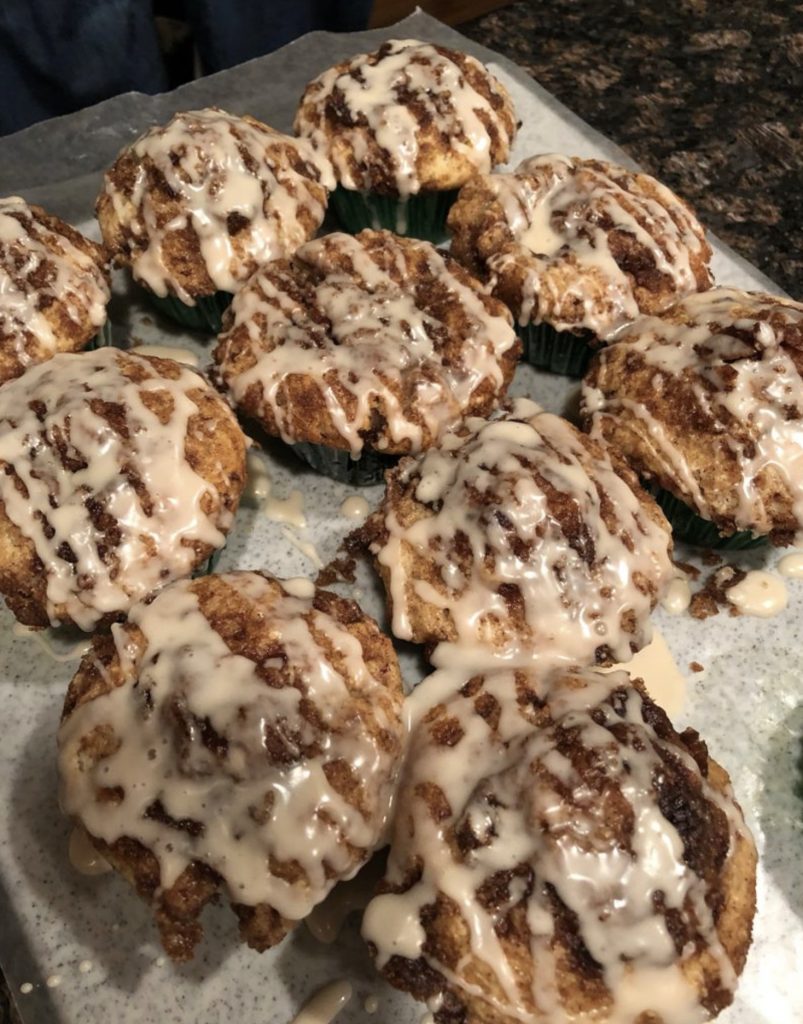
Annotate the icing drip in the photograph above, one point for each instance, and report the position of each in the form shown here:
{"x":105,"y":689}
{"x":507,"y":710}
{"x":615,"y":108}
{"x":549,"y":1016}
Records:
{"x":42,"y":267}
{"x":391,"y":334}
{"x":325,"y":1004}
{"x":589,"y":245}
{"x":527,"y":820}
{"x":759,"y":593}
{"x":527,"y":545}
{"x":734,"y":361}
{"x":251,"y":755}
{"x":247,"y":193}
{"x":374,"y":114}
{"x":99,"y":481}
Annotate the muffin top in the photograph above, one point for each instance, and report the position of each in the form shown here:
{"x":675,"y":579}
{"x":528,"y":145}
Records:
{"x":582,"y":245}
{"x":411,"y":116}
{"x":524,"y":540}
{"x":194,"y":206}
{"x":233,"y":733}
{"x":370,"y":340}
{"x":54,"y":287}
{"x":120,"y":472}
{"x":561,"y":859}
{"x":707,"y":400}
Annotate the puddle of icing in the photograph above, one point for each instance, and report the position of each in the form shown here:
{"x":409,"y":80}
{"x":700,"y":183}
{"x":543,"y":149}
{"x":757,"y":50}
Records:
{"x":760,"y":593}
{"x":286,"y":510}
{"x":791,"y":566}
{"x":325,"y":1005}
{"x":355,"y":507}
{"x":257,"y":482}
{"x":677,"y":597}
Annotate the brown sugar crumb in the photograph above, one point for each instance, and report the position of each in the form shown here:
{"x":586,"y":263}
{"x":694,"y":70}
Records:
{"x":711,"y":558}
{"x":707,"y":601}
{"x":690,"y":570}
{"x":695,"y":666}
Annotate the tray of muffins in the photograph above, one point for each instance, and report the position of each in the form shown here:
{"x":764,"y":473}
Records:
{"x":397,"y":544}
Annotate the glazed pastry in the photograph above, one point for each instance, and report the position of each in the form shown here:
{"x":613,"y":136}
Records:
{"x":706,"y":401}
{"x":405,"y":127}
{"x":520,"y":539}
{"x":563,"y":856}
{"x":233,"y":737}
{"x":370,"y":346}
{"x":54,"y":287}
{"x":120,"y":472}
{"x":193,"y":207}
{"x":577,"y":249}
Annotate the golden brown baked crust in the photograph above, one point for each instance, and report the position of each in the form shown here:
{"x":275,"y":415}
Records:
{"x":582,"y":245}
{"x":245,"y":610}
{"x":55,"y":286}
{"x":707,"y":401}
{"x":376,"y":340}
{"x":484,"y":865}
{"x":539,"y":544}
{"x":70,"y":397}
{"x":409,"y":117}
{"x":196,"y":205}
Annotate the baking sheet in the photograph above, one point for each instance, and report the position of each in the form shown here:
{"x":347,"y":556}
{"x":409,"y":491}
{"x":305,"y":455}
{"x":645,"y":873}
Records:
{"x":91,"y":937}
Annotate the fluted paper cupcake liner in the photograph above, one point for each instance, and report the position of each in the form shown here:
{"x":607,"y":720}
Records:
{"x":420,"y":216}
{"x":692,"y":528}
{"x":368,"y":469}
{"x":557,"y":351}
{"x":206,"y":315}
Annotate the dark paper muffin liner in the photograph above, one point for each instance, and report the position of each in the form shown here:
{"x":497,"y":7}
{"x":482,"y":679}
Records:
{"x":557,"y":351}
{"x":688,"y":526}
{"x":206,"y":315}
{"x":102,"y":339}
{"x":368,"y":469}
{"x":420,"y":216}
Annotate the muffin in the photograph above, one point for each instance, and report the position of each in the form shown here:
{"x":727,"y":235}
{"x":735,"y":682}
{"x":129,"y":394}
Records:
{"x":405,"y":127}
{"x":364,"y":347}
{"x":520,"y":540}
{"x":193,"y":207}
{"x":231,"y":737}
{"x":706,"y":403}
{"x":118,"y":473}
{"x":563,"y":859}
{"x":54,"y":287}
{"x":577,"y":249}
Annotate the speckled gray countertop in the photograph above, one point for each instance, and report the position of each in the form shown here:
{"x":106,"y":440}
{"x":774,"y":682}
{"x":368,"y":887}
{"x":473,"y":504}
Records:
{"x":706,"y":95}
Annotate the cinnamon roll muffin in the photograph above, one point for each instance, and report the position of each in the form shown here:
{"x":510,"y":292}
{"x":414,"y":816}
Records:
{"x":234,"y":737}
{"x":363,"y":347}
{"x":54,"y":287}
{"x":577,"y":248}
{"x":520,"y":539}
{"x":118,"y":473}
{"x":405,"y":127}
{"x":193,"y":207}
{"x":706,"y":402}
{"x":563,"y":856}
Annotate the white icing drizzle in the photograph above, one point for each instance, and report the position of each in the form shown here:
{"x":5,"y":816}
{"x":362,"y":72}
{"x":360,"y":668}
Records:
{"x":83,"y":856}
{"x":258,"y":482}
{"x":371,"y":114}
{"x":563,"y":215}
{"x":306,"y":547}
{"x":760,"y":593}
{"x":731,"y":353}
{"x":538,"y":818}
{"x":85,"y":966}
{"x":370,"y":1004}
{"x":263,"y":796}
{"x":325,"y":1004}
{"x":366,"y":339}
{"x":64,"y":462}
{"x":355,"y":507}
{"x":53,"y":980}
{"x":219,"y":168}
{"x":40,"y":267}
{"x":26,"y":988}
{"x":177,"y":352}
{"x":286,"y":510}
{"x":655,"y":665}
{"x":791,"y":565}
{"x":677,"y":598}
{"x":484,"y":493}
{"x":45,"y":640}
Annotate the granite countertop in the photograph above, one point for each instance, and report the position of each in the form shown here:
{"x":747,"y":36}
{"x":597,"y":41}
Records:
{"x":705,"y":95}
{"x":715,"y":111}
